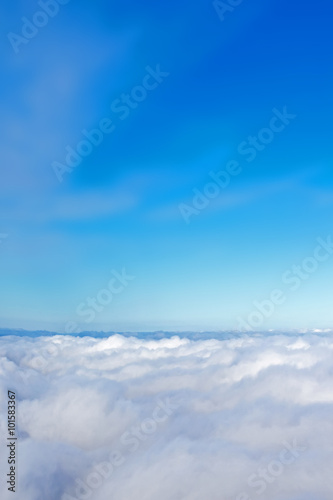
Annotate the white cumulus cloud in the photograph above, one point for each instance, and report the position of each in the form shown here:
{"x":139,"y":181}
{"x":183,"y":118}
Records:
{"x":241,"y":417}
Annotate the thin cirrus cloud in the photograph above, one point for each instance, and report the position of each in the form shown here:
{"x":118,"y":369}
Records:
{"x":83,"y":206}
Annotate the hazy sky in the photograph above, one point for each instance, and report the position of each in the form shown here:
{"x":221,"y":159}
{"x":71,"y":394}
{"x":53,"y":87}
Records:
{"x":211,"y":87}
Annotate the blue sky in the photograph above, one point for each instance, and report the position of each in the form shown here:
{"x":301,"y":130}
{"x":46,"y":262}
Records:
{"x":119,"y":208}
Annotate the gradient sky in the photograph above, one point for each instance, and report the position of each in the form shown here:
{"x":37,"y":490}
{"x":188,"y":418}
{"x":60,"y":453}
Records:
{"x":119,"y":208}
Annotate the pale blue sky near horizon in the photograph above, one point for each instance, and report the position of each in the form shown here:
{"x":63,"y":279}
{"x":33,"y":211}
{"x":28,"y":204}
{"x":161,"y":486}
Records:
{"x":119,"y":208}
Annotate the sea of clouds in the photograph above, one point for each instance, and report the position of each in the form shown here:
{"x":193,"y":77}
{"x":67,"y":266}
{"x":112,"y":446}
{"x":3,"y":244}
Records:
{"x":241,"y":417}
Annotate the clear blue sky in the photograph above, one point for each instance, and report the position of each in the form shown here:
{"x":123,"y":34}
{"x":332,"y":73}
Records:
{"x":119,"y":208}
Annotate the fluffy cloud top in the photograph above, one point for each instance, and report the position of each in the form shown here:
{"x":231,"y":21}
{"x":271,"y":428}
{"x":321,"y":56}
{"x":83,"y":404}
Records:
{"x":239,"y":418}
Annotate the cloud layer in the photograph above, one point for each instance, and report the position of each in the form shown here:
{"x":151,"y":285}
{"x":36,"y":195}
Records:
{"x":173,"y":418}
